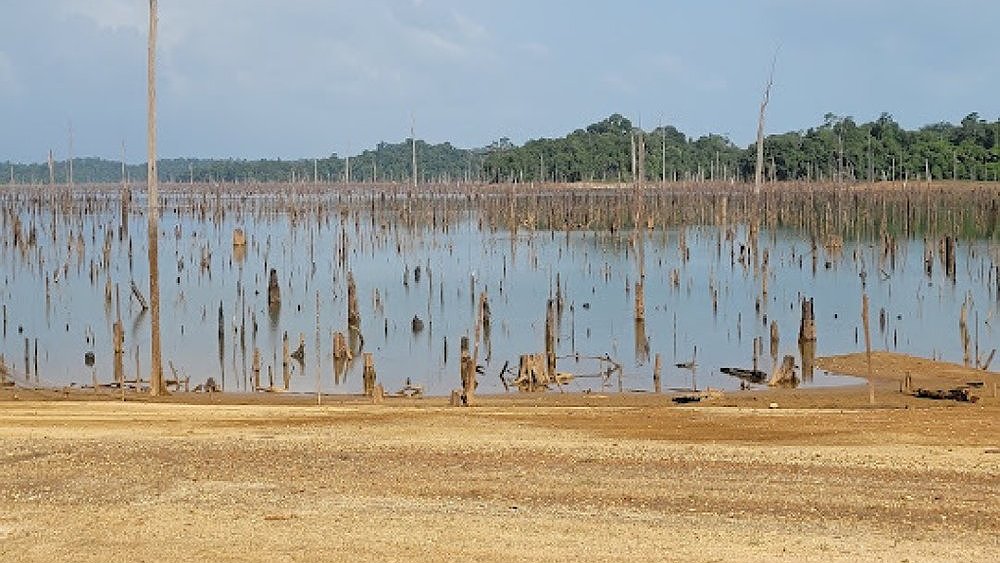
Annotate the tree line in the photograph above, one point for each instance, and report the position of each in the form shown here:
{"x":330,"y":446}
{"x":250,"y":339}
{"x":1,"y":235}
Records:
{"x":838,"y":150}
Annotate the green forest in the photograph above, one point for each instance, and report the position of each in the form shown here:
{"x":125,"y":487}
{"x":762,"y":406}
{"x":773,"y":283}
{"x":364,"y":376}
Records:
{"x":838,"y":150}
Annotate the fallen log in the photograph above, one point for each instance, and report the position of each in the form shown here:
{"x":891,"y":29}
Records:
{"x":750,"y":375}
{"x":960,"y":394}
{"x":139,"y":296}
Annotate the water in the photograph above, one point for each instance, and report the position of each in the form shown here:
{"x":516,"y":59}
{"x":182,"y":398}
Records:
{"x":54,"y":293}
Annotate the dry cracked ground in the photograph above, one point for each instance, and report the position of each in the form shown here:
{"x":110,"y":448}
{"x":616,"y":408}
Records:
{"x":104,"y":481}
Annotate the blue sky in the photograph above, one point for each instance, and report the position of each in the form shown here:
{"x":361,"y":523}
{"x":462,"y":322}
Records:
{"x":307,"y":78}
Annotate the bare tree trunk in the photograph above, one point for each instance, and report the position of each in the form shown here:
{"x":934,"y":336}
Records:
{"x":413,"y":147}
{"x":156,"y":368}
{"x":69,"y":172}
{"x":758,"y":178}
{"x":868,"y":348}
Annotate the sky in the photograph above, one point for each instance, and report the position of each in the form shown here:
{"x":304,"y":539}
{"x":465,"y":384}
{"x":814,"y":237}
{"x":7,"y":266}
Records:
{"x":309,"y":78}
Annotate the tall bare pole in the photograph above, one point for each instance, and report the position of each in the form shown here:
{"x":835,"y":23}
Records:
{"x":69,"y":173}
{"x":758,"y":177}
{"x":413,"y":147}
{"x":156,"y":373}
{"x":663,"y":151}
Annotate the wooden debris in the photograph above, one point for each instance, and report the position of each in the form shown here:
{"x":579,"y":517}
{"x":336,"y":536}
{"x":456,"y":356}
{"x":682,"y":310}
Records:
{"x":139,"y":296}
{"x":960,"y":394}
{"x":750,"y":375}
{"x":784,"y":375}
{"x":684,"y":399}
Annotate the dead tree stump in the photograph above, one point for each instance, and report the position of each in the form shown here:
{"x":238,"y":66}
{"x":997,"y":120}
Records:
{"x":353,"y":315}
{"x":273,"y":289}
{"x":657,"y":370}
{"x":775,"y":340}
{"x":784,"y":376}
{"x":369,"y":374}
{"x":341,"y":351}
{"x":256,"y":369}
{"x":807,"y":327}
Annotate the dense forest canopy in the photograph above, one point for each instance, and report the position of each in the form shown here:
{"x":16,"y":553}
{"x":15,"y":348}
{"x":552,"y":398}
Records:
{"x":839,"y":149}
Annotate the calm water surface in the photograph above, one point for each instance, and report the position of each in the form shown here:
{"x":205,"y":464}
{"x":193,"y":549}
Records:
{"x":54,"y":294}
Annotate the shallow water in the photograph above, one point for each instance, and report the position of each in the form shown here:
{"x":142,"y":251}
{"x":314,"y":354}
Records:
{"x":54,"y":303}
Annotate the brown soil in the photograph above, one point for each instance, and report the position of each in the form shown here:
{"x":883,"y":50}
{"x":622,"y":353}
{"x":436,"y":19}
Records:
{"x":823,"y":477}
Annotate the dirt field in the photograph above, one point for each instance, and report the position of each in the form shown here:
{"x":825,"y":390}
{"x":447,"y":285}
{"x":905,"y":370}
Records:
{"x":823,"y":477}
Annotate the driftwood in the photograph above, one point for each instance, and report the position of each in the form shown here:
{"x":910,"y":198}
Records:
{"x":411,"y":390}
{"x":784,"y":375}
{"x":533,"y":373}
{"x":139,"y":296}
{"x":683,"y":399}
{"x":751,"y":375}
{"x":960,"y":394}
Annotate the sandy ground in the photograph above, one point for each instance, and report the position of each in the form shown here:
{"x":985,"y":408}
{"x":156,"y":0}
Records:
{"x":823,"y":477}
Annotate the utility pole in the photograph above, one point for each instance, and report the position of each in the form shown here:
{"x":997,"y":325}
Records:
{"x":153,"y":232}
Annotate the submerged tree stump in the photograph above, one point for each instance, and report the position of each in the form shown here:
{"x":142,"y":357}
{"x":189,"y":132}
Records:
{"x":657,"y":370}
{"x":532,"y":373}
{"x":341,"y":351}
{"x":775,"y":340}
{"x":353,"y":314}
{"x":807,"y":327}
{"x":368,"y":375}
{"x":273,"y":289}
{"x":256,"y":369}
{"x":119,"y":348}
